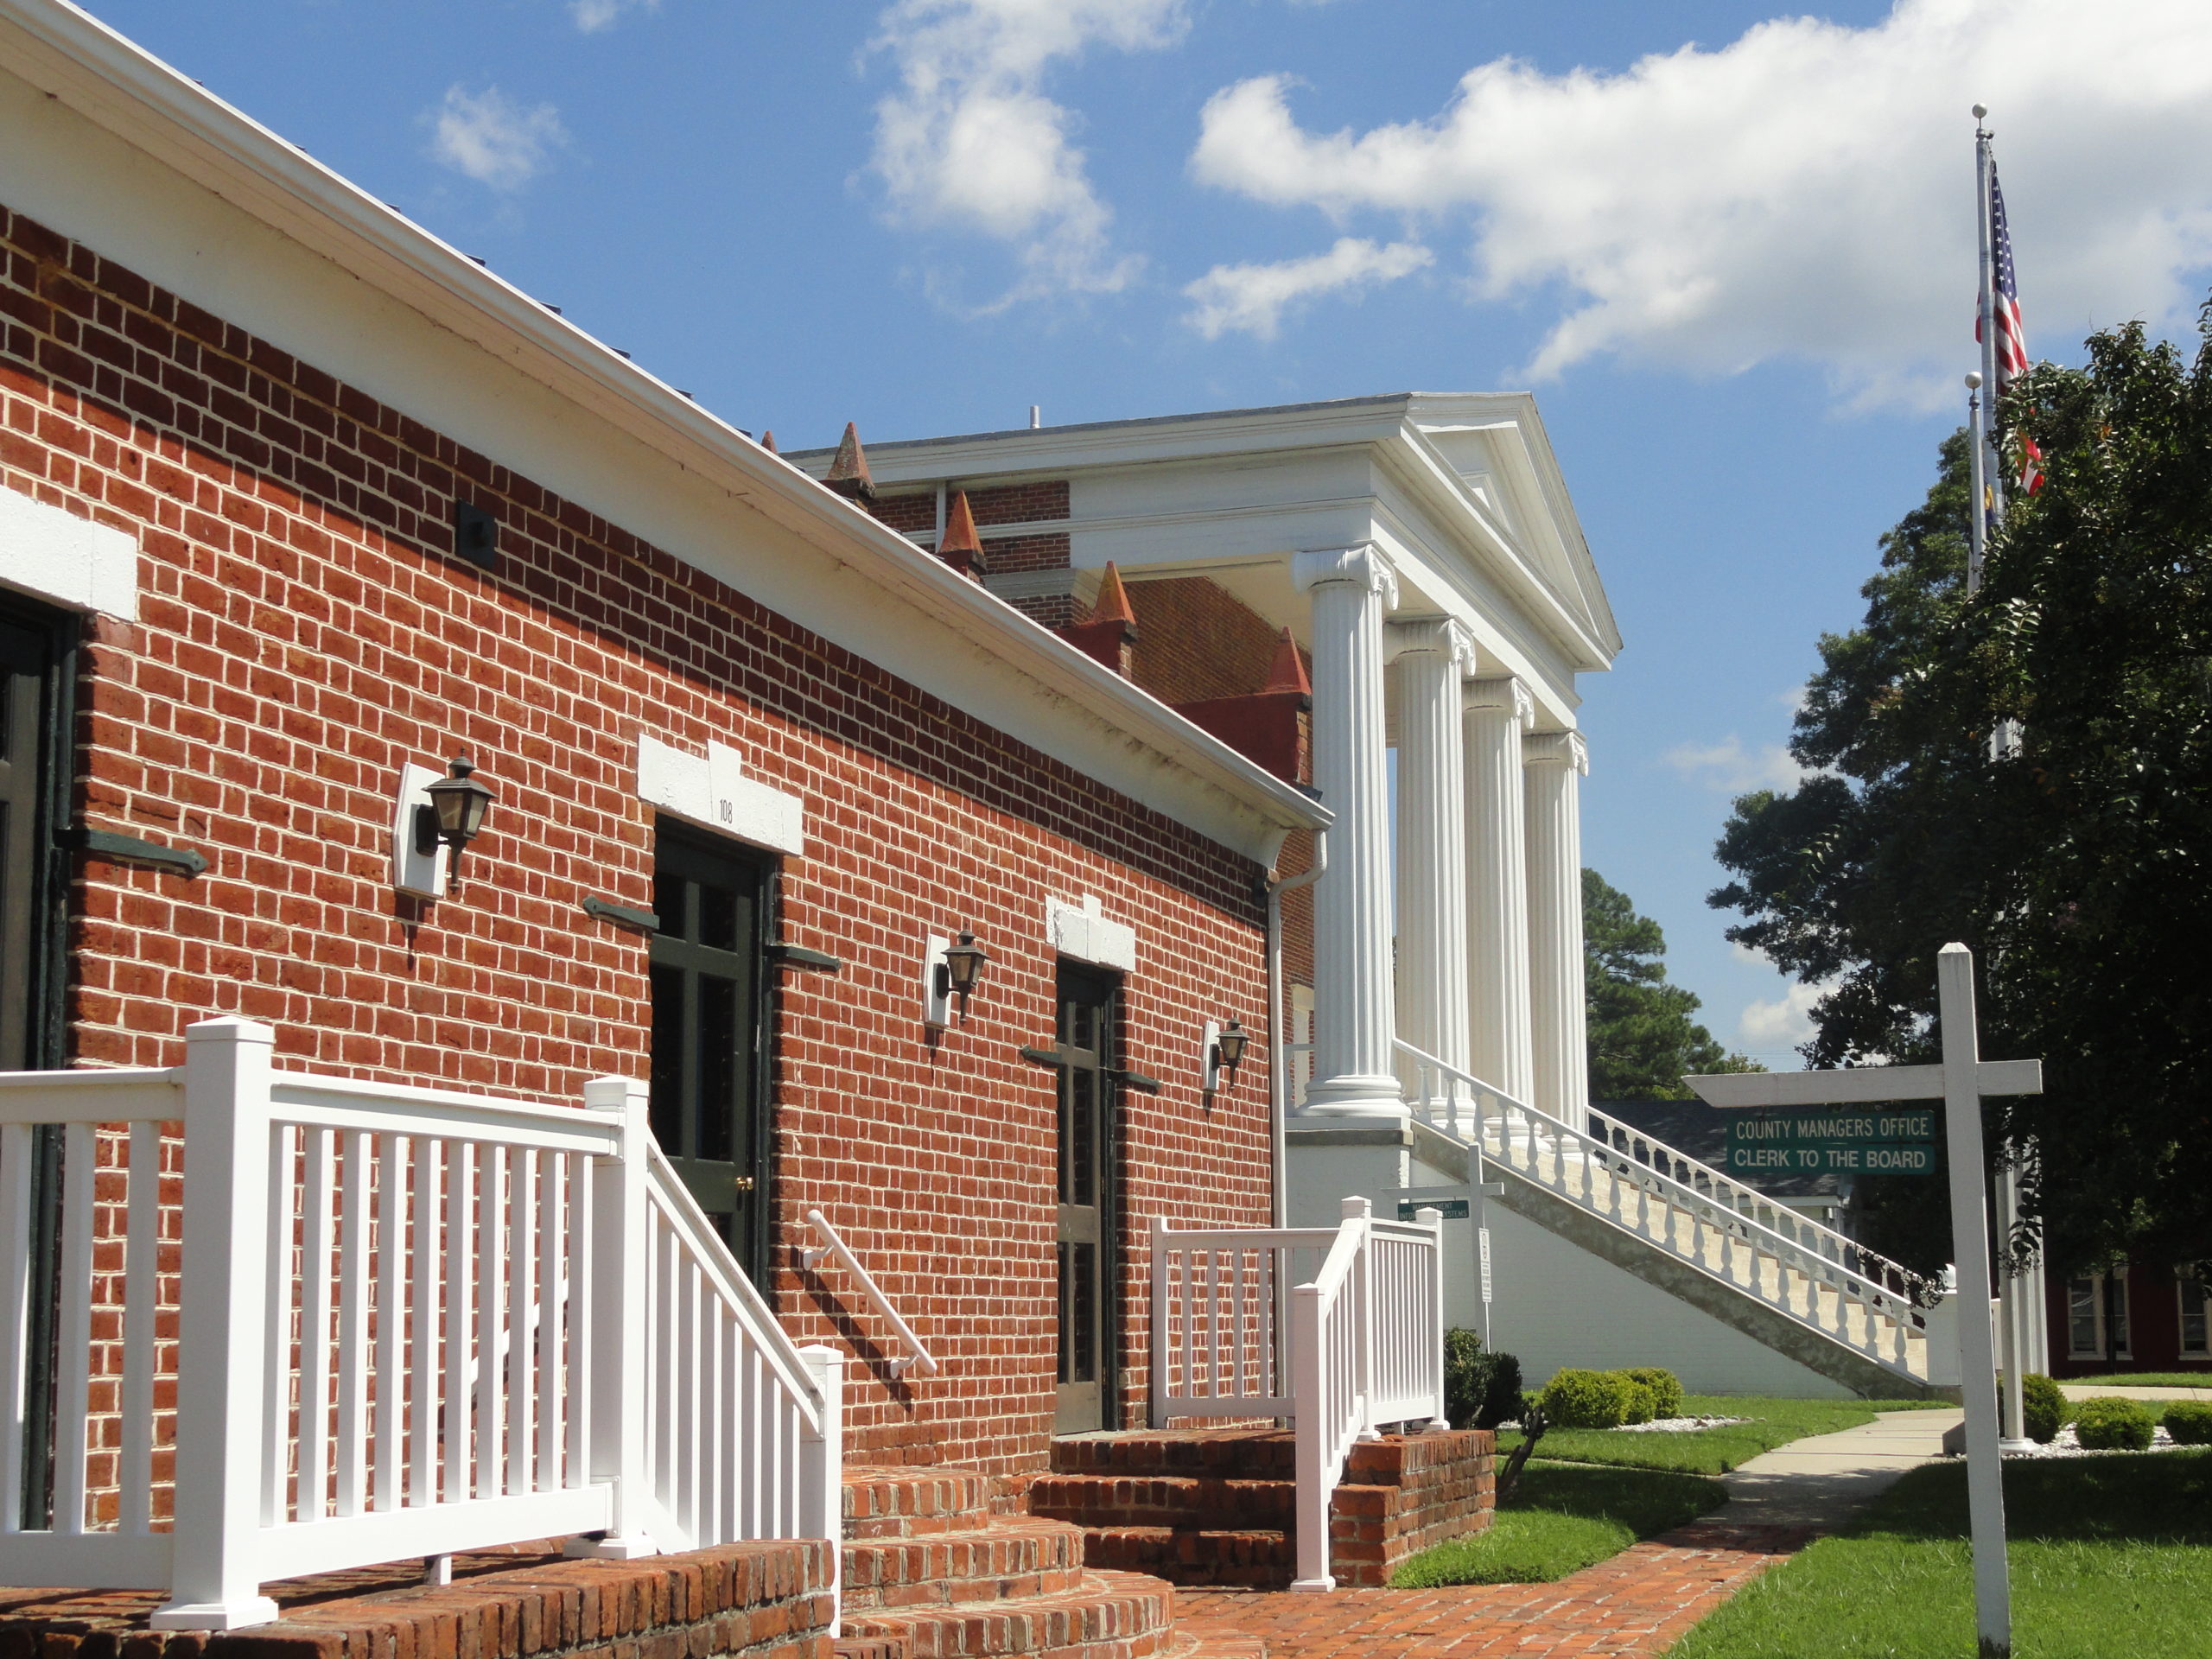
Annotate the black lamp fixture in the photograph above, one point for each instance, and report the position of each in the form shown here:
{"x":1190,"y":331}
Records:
{"x":1228,"y":1046}
{"x":459,"y":802}
{"x":964,"y":967}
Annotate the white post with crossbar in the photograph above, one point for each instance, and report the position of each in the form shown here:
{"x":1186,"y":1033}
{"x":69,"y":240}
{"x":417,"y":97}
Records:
{"x":1959,"y":1081}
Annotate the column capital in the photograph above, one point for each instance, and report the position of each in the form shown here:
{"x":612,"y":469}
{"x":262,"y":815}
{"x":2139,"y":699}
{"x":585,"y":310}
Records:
{"x":1430,"y":636}
{"x":1363,"y":566}
{"x":1556,"y":749}
{"x":1500,"y":696}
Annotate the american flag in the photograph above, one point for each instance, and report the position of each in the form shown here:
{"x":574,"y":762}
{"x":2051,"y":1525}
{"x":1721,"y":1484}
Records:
{"x":2011,"y":337}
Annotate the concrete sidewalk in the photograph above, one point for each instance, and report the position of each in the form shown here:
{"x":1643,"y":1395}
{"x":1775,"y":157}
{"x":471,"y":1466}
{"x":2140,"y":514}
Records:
{"x":1823,"y":1480}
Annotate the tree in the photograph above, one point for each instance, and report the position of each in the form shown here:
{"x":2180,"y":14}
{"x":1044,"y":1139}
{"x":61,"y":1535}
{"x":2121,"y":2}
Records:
{"x":2078,"y":866}
{"x":1641,"y":1037}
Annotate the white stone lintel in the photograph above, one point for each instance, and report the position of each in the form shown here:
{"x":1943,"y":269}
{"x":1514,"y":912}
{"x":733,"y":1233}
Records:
{"x":52,"y":554}
{"x":1364,"y":566}
{"x":1083,"y":930}
{"x":1556,"y":749}
{"x":711,"y":791}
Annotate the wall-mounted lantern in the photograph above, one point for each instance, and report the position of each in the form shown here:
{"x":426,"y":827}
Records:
{"x":949,"y":970}
{"x":1221,"y":1051}
{"x":458,"y":804}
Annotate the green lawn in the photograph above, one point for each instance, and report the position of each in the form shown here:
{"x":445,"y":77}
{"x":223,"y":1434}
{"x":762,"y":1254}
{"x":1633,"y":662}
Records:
{"x":1563,"y":1519}
{"x":2142,"y":1380}
{"x":2111,"y":1559}
{"x":1712,"y":1450}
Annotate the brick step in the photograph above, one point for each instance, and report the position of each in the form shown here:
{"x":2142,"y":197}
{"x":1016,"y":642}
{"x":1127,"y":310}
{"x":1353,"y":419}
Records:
{"x":1010,"y":1556}
{"x":1096,"y":1501}
{"x":1185,"y":1645}
{"x":1106,"y":1615}
{"x":1224,"y":1454}
{"x":912,"y":1503}
{"x":1248,"y":1559}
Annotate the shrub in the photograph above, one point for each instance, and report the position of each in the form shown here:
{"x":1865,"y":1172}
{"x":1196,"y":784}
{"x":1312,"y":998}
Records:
{"x":1580,"y":1399}
{"x":2189,"y":1421}
{"x":1666,"y":1389}
{"x":1481,"y":1390}
{"x":2108,"y":1423}
{"x":1640,"y":1398}
{"x":2044,"y":1410}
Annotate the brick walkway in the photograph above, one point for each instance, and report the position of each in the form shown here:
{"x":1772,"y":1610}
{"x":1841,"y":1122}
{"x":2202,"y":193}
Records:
{"x":1633,"y":1605}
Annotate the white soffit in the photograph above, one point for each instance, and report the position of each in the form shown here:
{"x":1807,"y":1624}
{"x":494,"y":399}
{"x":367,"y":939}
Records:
{"x":711,"y":791}
{"x":1084,"y":931}
{"x":53,"y":554}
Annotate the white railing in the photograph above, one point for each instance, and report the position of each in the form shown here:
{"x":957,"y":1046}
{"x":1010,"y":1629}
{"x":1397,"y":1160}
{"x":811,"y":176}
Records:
{"x":1696,"y":1213}
{"x":916,"y":1357}
{"x":402,"y":1322}
{"x":1358,"y":1344}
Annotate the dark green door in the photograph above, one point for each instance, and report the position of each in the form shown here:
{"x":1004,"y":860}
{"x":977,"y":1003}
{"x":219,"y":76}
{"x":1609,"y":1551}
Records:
{"x":1085,"y":1047}
{"x":709,"y":1056}
{"x":26,"y":837}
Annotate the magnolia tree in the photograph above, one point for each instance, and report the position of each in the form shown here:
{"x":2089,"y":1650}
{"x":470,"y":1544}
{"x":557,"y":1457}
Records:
{"x":2078,"y":863}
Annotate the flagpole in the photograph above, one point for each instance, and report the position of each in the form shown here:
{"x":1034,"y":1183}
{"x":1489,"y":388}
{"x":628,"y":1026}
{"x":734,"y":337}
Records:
{"x":1989,"y":487}
{"x":1980,"y":526}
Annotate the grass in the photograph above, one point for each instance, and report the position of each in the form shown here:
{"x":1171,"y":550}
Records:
{"x":2142,"y":1380}
{"x":1563,"y":1518}
{"x":2111,"y":1559}
{"x":1713,"y":1451}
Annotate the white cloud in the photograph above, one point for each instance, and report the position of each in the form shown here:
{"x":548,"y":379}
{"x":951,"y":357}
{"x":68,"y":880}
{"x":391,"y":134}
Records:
{"x":493,"y":139}
{"x":969,"y":140}
{"x":1732,"y":769}
{"x":593,"y":16}
{"x":1767,"y":1030}
{"x":1804,"y":191}
{"x":1253,"y":298}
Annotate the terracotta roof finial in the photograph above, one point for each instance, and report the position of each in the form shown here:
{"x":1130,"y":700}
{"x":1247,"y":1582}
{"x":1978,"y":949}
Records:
{"x":960,"y":547}
{"x":1289,"y":672}
{"x":849,"y":473}
{"x":1112,"y":604}
{"x":768,"y":442}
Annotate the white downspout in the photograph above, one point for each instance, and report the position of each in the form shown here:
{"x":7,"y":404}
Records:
{"x":1277,"y":1061}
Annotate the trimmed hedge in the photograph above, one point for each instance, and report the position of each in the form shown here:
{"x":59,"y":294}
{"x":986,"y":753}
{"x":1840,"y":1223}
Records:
{"x":1666,"y":1389}
{"x":1640,"y":1399}
{"x":2044,"y":1410}
{"x":2109,"y":1423}
{"x":1481,"y":1390}
{"x":2189,"y":1421}
{"x":1582,"y":1399}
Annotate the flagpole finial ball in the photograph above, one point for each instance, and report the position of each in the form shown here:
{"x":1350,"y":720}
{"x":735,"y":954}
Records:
{"x":1973,"y":381}
{"x":1980,"y":109}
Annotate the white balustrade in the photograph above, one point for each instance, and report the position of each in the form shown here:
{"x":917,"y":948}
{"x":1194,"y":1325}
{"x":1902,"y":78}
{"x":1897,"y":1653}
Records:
{"x":403,"y":1322}
{"x":1790,"y":1262}
{"x":1358,"y":1344}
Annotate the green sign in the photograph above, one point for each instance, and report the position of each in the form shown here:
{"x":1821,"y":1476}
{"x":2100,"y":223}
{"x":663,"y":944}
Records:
{"x":1831,"y":1141}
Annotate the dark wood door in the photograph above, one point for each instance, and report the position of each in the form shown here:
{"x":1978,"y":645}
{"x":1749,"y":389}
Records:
{"x":1085,"y":1052}
{"x":709,"y":1054}
{"x":26,"y":838}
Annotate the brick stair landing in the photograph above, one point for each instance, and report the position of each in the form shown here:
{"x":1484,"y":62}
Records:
{"x":929,"y":1572}
{"x":1217,"y":1506}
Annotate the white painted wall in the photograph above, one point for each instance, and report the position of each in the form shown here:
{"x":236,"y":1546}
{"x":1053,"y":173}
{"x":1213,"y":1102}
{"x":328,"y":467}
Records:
{"x":1556,"y":1305}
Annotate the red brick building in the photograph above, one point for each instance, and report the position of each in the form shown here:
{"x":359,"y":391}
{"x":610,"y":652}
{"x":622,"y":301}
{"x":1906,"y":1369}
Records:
{"x":294,"y":497}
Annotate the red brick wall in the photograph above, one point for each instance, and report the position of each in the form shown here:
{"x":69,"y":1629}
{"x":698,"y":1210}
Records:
{"x":303,"y":631}
{"x":1197,"y":640}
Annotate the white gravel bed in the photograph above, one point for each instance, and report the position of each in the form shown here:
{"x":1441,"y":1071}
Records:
{"x":1672,"y":1425}
{"x":2066,"y":1446}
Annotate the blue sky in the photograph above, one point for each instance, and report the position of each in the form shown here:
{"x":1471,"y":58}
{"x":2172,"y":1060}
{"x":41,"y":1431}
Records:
{"x":1730,"y":250}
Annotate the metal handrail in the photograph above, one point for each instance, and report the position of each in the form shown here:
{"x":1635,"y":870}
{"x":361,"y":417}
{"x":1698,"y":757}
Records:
{"x":918,"y":1358}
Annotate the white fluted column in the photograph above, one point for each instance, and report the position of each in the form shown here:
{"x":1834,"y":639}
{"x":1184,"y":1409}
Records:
{"x":1353,"y":1017}
{"x":1430,"y":659}
{"x":1497,"y":713}
{"x":1553,"y":764}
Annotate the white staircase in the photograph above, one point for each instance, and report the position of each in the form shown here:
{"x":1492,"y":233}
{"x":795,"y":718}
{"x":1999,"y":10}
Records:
{"x":1795,"y":1283}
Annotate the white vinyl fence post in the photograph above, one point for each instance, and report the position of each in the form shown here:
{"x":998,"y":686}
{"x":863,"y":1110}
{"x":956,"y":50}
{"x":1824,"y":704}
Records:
{"x":1431,"y":1336}
{"x":214,"y":1581}
{"x":1363,"y":1286}
{"x":821,"y":1478}
{"x":620,"y":1238}
{"x":1312,"y":1427}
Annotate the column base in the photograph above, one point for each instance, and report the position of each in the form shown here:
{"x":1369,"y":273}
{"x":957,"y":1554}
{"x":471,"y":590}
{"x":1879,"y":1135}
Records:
{"x":611,"y":1547}
{"x":1379,"y":1099}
